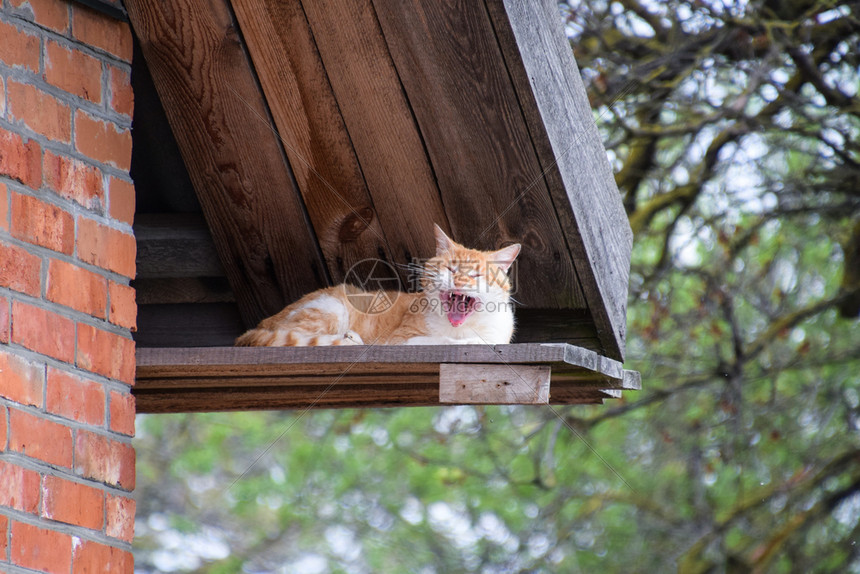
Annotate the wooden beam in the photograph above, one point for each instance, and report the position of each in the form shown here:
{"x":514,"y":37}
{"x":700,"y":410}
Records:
{"x":233,"y":378}
{"x":235,"y":161}
{"x":175,"y":245}
{"x":490,"y":179}
{"x":572,"y":157}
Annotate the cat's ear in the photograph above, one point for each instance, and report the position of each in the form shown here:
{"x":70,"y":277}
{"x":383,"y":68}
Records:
{"x":504,"y":258}
{"x":443,"y":242}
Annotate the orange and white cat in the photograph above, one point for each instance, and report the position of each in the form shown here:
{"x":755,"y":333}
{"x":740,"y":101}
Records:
{"x":465,"y":299}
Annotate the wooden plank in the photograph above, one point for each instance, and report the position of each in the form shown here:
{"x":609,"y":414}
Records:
{"x":205,"y":358}
{"x":175,"y":290}
{"x":580,"y":180}
{"x":229,"y":378}
{"x":272,"y":398}
{"x":494,"y":384}
{"x":317,"y":145}
{"x":574,"y":326}
{"x":380,"y":122}
{"x":175,"y":245}
{"x":235,"y":162}
{"x":166,"y":376}
{"x":281,"y":398}
{"x":192,"y":325}
{"x":460,"y":91}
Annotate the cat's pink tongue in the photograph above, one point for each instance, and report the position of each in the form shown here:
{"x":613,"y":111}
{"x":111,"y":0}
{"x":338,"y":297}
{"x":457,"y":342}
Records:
{"x":457,"y":307}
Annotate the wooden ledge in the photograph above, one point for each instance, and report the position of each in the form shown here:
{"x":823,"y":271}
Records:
{"x":173,"y":380}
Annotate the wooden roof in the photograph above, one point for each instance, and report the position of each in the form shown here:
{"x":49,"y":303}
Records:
{"x":317,"y":133}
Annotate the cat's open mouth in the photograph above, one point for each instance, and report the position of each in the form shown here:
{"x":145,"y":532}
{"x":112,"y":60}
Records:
{"x":457,"y":306}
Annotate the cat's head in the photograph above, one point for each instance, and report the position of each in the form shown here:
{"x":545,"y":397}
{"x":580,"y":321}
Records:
{"x":466,"y":280}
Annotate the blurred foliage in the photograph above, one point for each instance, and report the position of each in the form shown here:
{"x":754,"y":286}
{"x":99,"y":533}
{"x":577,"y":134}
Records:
{"x":733,"y":130}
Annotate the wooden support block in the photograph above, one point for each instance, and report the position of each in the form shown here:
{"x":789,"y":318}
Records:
{"x":494,"y":384}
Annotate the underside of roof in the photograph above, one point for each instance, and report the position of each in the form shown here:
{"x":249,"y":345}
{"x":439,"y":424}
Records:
{"x":319,"y":133}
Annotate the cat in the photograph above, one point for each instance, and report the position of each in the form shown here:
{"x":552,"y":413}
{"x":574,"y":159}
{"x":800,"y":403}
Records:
{"x":465,"y":299}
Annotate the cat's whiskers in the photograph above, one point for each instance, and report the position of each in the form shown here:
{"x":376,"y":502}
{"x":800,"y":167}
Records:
{"x":420,"y":271}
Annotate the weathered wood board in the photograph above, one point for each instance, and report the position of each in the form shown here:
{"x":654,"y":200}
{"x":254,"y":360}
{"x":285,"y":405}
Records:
{"x":494,"y":384}
{"x":572,"y":157}
{"x":231,"y":378}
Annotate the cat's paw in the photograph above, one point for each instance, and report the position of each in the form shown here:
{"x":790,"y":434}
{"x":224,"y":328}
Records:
{"x":349,"y":338}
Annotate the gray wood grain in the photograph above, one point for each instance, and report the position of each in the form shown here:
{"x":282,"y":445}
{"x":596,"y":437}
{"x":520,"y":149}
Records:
{"x":577,"y":170}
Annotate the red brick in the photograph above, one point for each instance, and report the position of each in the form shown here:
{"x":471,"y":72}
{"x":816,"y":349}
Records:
{"x":120,"y":517}
{"x":43,"y":224}
{"x":73,"y":503}
{"x":2,"y":98}
{"x":75,"y":180}
{"x":4,"y":421}
{"x":42,"y":331}
{"x":18,"y":48}
{"x":105,"y":353}
{"x":103,"y":141}
{"x":19,"y":159}
{"x":41,"y":112}
{"x":20,"y":270}
{"x":121,"y":94}
{"x":75,"y":398}
{"x":39,"y":438}
{"x":100,"y":458}
{"x":4,"y":203}
{"x":77,"y":288}
{"x":102,"y":32}
{"x":123,"y":308}
{"x":4,"y":533}
{"x":41,"y":549}
{"x":122,"y":198}
{"x":122,"y":413}
{"x":53,"y":14}
{"x":20,"y":488}
{"x":4,"y":320}
{"x":106,"y":247}
{"x":23,"y":381}
{"x":73,"y":71}
{"x":95,"y":558}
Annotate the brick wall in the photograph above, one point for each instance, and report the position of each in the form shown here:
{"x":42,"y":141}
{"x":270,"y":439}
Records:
{"x":66,"y":309}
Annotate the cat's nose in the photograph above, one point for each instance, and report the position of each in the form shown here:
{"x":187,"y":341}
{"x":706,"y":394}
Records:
{"x":460,"y":281}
